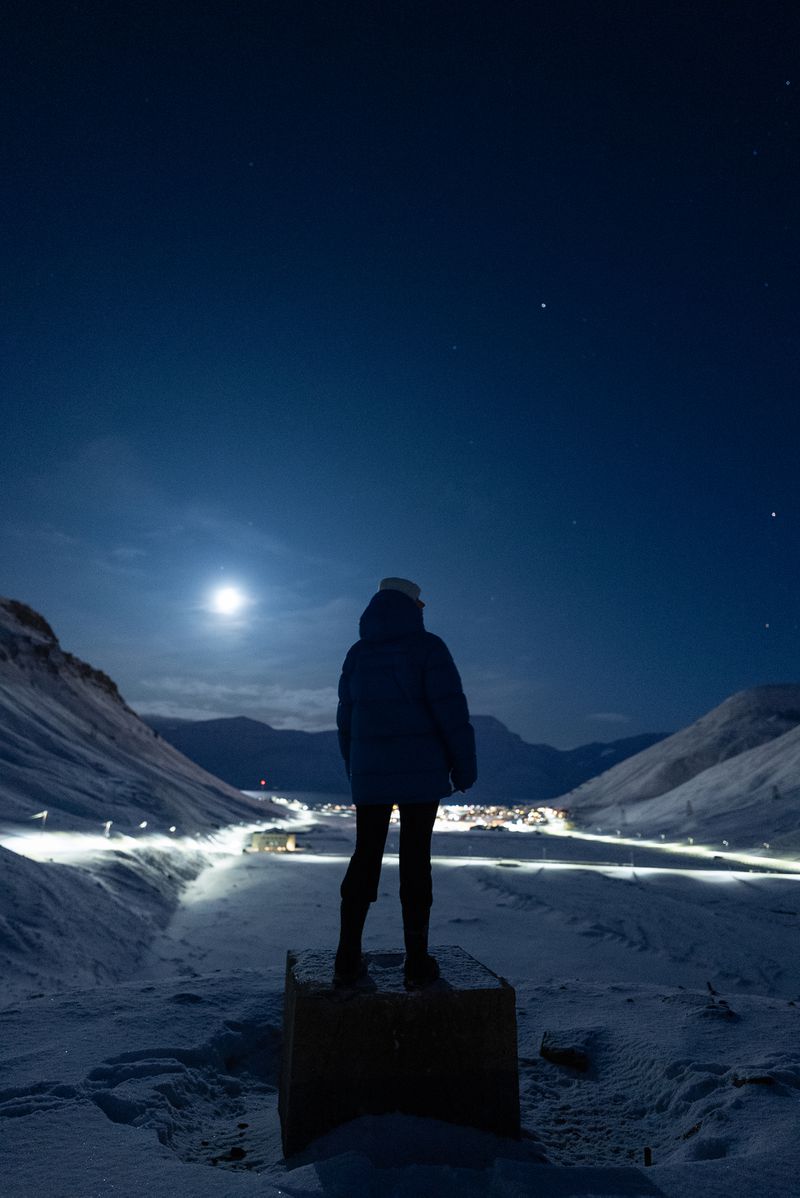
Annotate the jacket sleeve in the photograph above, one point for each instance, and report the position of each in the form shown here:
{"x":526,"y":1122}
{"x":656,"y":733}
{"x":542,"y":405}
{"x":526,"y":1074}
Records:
{"x":344,"y":711}
{"x":448,"y":706}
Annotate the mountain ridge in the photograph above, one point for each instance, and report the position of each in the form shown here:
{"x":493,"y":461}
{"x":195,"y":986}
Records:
{"x":243,"y":751}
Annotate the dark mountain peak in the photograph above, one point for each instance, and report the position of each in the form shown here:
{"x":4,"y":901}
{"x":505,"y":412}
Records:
{"x":239,"y":723}
{"x":29,"y":643}
{"x":244,"y":751}
{"x":29,"y":619}
{"x":490,"y":724}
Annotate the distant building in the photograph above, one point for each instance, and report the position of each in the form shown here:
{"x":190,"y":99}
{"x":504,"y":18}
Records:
{"x":272,"y":840}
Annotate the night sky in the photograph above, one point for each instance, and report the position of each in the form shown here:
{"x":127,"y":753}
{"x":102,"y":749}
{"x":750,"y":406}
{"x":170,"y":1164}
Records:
{"x":501,"y":297}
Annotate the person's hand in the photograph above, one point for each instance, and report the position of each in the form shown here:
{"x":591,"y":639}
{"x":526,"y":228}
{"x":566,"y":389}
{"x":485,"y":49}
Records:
{"x":461,"y":782}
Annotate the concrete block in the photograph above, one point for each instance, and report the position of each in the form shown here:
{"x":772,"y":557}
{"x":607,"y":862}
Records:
{"x":447,"y":1052}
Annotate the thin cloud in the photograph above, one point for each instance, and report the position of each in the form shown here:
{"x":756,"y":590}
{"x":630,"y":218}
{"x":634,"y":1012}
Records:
{"x":310,"y":709}
{"x":610,"y":717}
{"x":43,"y":534}
{"x":109,"y":474}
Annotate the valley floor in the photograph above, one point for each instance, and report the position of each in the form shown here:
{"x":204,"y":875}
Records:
{"x":681,"y":982}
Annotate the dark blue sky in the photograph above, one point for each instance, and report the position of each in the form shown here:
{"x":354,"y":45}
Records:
{"x":498,"y":296}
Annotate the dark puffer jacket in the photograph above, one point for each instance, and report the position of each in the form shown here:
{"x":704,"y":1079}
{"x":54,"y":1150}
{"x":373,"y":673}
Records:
{"x":403,"y":722}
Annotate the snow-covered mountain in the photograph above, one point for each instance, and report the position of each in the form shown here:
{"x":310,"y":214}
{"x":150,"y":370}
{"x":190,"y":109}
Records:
{"x":734,"y":774}
{"x":71,"y":745}
{"x":750,"y":799}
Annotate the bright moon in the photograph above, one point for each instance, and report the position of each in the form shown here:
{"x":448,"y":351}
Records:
{"x":228,"y":600}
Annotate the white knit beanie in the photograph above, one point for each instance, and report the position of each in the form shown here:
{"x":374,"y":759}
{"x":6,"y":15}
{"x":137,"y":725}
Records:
{"x":400,"y":584}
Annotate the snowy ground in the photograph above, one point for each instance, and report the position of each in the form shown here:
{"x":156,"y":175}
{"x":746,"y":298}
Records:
{"x":679,"y":977}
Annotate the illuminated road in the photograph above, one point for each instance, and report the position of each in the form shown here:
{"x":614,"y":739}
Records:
{"x":331,"y":837}
{"x":576,"y":850}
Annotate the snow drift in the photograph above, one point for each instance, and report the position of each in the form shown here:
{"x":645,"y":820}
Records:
{"x":62,"y":925}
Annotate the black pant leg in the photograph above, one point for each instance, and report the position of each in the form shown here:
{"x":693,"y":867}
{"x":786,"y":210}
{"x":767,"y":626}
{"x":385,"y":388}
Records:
{"x":363,"y":873}
{"x":416,"y":828}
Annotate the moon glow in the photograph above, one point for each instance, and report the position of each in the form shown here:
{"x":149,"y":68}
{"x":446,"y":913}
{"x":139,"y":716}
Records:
{"x":228,"y":600}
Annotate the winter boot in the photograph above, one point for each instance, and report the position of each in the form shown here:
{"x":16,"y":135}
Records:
{"x":349,"y":965}
{"x":420,"y":968}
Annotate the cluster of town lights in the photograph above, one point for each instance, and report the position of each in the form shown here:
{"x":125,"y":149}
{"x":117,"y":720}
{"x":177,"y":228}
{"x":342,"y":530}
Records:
{"x":476,"y":817}
{"x":469,"y":817}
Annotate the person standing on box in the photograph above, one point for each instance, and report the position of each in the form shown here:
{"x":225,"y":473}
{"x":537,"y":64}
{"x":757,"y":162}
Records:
{"x":406,"y":739}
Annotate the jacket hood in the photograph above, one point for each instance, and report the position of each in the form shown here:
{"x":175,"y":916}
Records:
{"x":388,"y":616}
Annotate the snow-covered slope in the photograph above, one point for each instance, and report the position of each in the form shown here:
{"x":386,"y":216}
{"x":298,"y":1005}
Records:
{"x":734,"y":774}
{"x":748,"y":800}
{"x":71,"y":745}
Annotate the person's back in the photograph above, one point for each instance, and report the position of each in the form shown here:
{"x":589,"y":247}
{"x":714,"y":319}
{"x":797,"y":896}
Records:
{"x":406,"y":738}
{"x":403,"y":720}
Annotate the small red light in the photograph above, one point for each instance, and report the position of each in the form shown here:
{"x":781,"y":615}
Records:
{"x":263,"y":782}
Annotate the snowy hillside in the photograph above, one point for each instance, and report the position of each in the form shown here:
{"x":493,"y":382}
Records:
{"x":734,"y":774}
{"x":69,"y":744}
{"x":748,"y":800}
